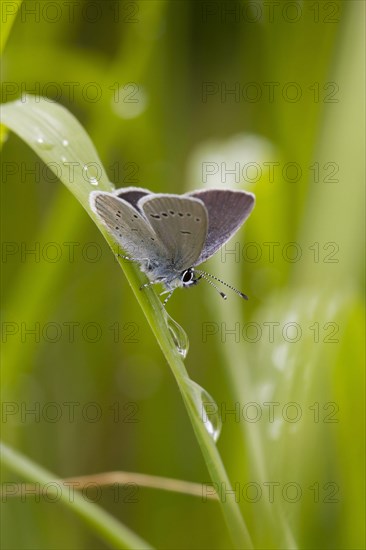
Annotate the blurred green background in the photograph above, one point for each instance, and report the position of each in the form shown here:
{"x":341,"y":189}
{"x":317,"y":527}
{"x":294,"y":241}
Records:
{"x":263,"y":96}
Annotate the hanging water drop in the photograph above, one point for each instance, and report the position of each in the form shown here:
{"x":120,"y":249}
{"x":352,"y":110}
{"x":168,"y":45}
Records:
{"x":207,"y":409}
{"x":178,"y":334}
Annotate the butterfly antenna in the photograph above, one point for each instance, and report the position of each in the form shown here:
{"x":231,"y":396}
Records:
{"x":204,"y":275}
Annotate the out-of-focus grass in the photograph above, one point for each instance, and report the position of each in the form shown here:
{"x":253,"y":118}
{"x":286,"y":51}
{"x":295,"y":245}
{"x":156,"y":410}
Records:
{"x":9,"y":14}
{"x":170,"y":52}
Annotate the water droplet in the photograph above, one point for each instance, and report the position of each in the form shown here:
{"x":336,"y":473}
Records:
{"x":178,"y":334}
{"x":65,"y":142}
{"x":92,"y":173}
{"x":63,"y":159}
{"x":207,"y":409}
{"x":44,"y":144}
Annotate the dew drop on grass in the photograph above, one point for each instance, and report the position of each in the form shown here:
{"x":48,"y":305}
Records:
{"x":207,"y":409}
{"x":179,"y":336}
{"x":91,"y":173}
{"x":65,"y":142}
{"x":43,"y":144}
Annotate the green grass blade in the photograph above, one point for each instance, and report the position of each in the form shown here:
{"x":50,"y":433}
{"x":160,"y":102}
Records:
{"x":110,"y":529}
{"x":60,"y":141}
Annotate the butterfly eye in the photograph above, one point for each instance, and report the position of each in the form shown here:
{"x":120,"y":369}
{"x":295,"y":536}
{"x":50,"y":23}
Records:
{"x":187,"y":277}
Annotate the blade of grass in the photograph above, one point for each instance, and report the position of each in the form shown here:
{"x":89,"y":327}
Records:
{"x":110,"y":529}
{"x":122,"y":478}
{"x":56,"y":136}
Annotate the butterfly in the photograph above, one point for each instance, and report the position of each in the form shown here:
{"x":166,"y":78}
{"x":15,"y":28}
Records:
{"x":169,"y":235}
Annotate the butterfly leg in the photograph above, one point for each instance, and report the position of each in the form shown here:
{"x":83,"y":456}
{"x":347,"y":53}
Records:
{"x":169,"y":295}
{"x":145,"y":285}
{"x":150,"y":283}
{"x":165,"y":292}
{"x":133,"y":259}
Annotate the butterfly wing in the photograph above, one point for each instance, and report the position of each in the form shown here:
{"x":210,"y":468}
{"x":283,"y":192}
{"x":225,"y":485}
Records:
{"x":180,"y":223}
{"x":128,"y":226}
{"x":132,"y":194}
{"x":227,"y":211}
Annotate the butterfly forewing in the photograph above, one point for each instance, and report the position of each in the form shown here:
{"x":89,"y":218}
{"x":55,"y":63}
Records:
{"x":180,"y":224}
{"x":127,"y":225}
{"x":227,"y":211}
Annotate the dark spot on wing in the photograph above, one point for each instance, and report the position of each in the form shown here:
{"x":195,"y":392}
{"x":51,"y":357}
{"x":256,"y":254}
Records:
{"x":156,"y":216}
{"x":186,"y":232}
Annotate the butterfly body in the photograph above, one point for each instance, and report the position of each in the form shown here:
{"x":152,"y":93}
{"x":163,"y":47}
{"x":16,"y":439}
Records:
{"x":168,"y":235}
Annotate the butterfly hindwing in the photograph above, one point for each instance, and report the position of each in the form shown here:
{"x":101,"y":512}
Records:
{"x":227,"y":211}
